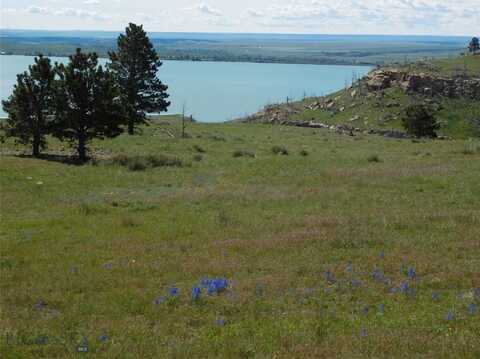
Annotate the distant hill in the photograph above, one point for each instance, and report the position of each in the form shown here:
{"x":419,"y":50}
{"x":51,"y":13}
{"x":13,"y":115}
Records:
{"x":275,"y":48}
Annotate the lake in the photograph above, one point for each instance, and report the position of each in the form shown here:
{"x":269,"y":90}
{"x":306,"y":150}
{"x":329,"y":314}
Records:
{"x":221,"y":91}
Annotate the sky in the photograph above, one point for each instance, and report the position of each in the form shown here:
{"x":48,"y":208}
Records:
{"x":402,"y":17}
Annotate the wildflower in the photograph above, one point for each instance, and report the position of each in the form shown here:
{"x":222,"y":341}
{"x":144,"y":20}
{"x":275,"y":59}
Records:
{"x":103,"y":338}
{"x":40,"y":305}
{"x":215,"y":286}
{"x":435,"y":296}
{"x":365,"y":310}
{"x":476,"y":293}
{"x":221,"y":322}
{"x":196,"y":292}
{"x":160,"y":300}
{"x":363,"y":332}
{"x":472,"y":309}
{"x":173,"y":291}
{"x":411,"y":273}
{"x":378,"y":274}
{"x":404,"y":287}
{"x":349,"y":267}
{"x":449,"y":317}
{"x":382,"y":255}
{"x":41,"y":340}
{"x":329,"y":277}
{"x":108,"y":265}
{"x":356,"y":283}
{"x":39,"y":183}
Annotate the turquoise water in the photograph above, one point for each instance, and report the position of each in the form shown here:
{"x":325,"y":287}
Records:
{"x":221,"y":91}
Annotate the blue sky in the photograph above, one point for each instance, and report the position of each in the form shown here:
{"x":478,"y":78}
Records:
{"x":429,"y":17}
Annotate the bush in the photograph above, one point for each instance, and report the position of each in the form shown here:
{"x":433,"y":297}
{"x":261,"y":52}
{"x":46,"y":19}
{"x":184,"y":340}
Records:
{"x":304,"y":153}
{"x":280,"y":150}
{"x":141,"y":163}
{"x":137,"y":164}
{"x":243,"y":153}
{"x":198,"y":158}
{"x":420,"y":122}
{"x":374,"y":159}
{"x":198,"y":149}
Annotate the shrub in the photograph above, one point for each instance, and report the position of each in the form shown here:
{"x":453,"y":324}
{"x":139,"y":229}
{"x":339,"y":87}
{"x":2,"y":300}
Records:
{"x":243,"y":153}
{"x":304,"y":153}
{"x":374,"y":158}
{"x":164,"y":161}
{"x":420,"y":122}
{"x":198,"y":157}
{"x":137,"y":164}
{"x":280,"y":150}
{"x":198,"y":149}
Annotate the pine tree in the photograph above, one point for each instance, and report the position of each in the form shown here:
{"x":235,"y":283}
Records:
{"x":420,"y":122}
{"x":87,"y":102}
{"x":135,"y":65}
{"x":474,"y":45}
{"x":31,"y":104}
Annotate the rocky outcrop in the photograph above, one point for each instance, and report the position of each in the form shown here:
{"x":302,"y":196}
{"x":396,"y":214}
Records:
{"x":425,"y":84}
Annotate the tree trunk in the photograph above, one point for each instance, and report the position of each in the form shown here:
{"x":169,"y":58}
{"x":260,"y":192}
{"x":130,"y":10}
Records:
{"x":82,"y":149}
{"x":131,"y":126}
{"x":36,"y":145}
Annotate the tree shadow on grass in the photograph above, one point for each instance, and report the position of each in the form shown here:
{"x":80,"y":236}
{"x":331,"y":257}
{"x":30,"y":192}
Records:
{"x":70,"y":160}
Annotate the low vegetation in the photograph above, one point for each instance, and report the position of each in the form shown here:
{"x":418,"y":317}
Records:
{"x":278,"y":256}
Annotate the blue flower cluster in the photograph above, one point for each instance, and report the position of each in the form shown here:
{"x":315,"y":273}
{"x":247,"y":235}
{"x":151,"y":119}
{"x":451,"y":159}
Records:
{"x":214,"y":285}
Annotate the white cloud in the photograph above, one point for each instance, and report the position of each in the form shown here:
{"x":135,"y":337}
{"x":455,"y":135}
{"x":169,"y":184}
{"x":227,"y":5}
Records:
{"x":206,"y":9}
{"x":91,"y":2}
{"x":32,"y":9}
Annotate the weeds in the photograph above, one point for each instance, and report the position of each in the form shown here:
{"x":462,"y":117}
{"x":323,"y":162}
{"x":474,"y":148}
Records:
{"x":142,"y":163}
{"x":374,"y":159}
{"x":280,"y":150}
{"x":243,"y":153}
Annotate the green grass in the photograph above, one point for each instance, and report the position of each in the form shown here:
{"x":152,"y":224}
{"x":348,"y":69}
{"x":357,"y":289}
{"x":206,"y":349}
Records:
{"x":98,"y":244}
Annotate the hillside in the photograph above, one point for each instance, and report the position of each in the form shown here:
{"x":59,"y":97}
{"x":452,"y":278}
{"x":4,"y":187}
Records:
{"x":330,"y":245}
{"x":376,"y":103}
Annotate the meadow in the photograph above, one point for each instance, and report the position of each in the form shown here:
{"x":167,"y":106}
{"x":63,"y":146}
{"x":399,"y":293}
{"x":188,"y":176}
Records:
{"x":242,"y":241}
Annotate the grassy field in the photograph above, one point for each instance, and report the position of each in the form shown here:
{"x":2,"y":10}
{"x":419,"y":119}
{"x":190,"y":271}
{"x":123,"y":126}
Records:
{"x":346,"y":247}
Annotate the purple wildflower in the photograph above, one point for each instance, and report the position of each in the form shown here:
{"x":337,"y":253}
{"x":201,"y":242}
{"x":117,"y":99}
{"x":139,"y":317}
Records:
{"x":472,"y":309}
{"x":355,"y":283}
{"x":404,"y":287}
{"x":196,"y":292}
{"x":103,"y":338}
{"x":363,"y":332}
{"x":382,"y":255}
{"x":41,"y":305}
{"x":221,"y":322}
{"x":449,"y":317}
{"x":378,"y":274}
{"x":381,"y":308}
{"x":435,"y":296}
{"x":365,"y":310}
{"x":173,"y":291}
{"x":411,"y":273}
{"x":160,"y":300}
{"x":349,"y":267}
{"x":215,"y":286}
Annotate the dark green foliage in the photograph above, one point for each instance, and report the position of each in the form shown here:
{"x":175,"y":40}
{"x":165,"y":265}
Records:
{"x":87,"y":102}
{"x":31,"y":104}
{"x":243,"y":153}
{"x":420,"y":122}
{"x":198,"y":158}
{"x":304,"y":153}
{"x":280,"y":150}
{"x":141,"y":163}
{"x":199,"y":149}
{"x":135,"y":65}
{"x":374,"y":159}
{"x":474,"y":45}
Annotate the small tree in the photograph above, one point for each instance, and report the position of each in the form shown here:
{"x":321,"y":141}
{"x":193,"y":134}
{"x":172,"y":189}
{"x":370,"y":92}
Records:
{"x":474,"y":45}
{"x":135,"y":65}
{"x":420,"y":122}
{"x":87,"y":102}
{"x":30,"y":105}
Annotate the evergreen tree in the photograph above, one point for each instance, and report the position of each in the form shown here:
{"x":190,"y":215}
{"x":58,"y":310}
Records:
{"x":420,"y":122}
{"x":87,"y":102}
{"x":30,"y":105}
{"x":474,"y":45}
{"x":135,"y":65}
